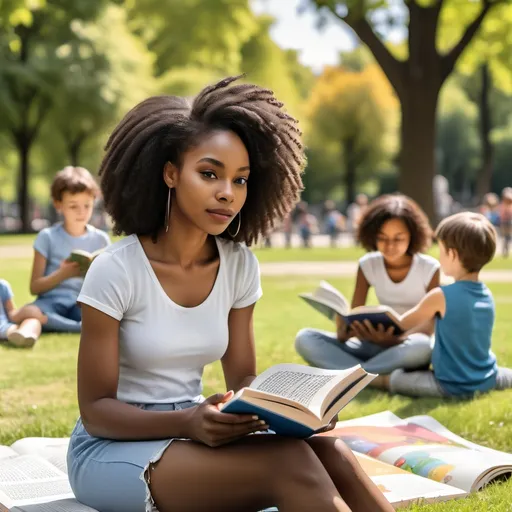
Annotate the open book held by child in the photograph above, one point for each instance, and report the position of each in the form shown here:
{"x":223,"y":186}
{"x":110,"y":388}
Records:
{"x":329,"y":301}
{"x":84,"y":258}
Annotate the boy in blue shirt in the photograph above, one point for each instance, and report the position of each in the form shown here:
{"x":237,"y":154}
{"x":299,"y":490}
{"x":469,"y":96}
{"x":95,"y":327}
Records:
{"x":464,"y":312}
{"x":55,"y":280}
{"x":20,"y":327}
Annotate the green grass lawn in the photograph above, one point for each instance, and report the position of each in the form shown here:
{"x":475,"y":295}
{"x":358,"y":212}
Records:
{"x":38,"y":396}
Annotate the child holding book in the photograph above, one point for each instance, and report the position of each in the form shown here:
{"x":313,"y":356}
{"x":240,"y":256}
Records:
{"x":395,"y":231}
{"x":192,"y":184}
{"x":19,"y":327}
{"x":55,"y":280}
{"x":462,"y":360}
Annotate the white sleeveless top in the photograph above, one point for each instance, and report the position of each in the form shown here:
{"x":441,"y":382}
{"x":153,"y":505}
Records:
{"x":406,"y":294}
{"x":163,"y":346}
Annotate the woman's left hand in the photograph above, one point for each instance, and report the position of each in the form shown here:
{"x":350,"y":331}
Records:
{"x":380,"y":336}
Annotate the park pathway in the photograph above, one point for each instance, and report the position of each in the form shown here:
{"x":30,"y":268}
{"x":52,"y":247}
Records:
{"x":283,"y":268}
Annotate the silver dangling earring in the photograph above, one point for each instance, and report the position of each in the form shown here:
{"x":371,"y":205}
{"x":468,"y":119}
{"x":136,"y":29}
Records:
{"x":239,"y":224}
{"x":168,"y":211}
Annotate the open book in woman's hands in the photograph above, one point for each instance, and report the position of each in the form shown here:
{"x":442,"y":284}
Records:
{"x":296,"y":400}
{"x":329,"y":301}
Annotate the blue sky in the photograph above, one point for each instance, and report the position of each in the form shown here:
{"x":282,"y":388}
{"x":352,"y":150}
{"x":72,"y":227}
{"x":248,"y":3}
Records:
{"x":298,"y":31}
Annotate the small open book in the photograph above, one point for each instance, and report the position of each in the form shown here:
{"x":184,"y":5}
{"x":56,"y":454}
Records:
{"x":297,"y":400}
{"x":84,"y":258}
{"x":329,"y":301}
{"x":33,"y":477}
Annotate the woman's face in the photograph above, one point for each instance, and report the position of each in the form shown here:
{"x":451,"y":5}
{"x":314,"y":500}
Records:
{"x":211,"y":187}
{"x":393,"y":240}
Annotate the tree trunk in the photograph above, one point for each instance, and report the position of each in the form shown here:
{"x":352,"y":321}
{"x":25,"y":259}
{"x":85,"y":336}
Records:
{"x":24,"y":146}
{"x":74,"y":153}
{"x":483,"y":184}
{"x":417,"y":157}
{"x":74,"y":147}
{"x":350,"y":170}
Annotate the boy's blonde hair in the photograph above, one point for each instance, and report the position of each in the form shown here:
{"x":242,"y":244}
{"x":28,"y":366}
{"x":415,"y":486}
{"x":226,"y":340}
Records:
{"x":472,"y":236}
{"x":73,"y":180}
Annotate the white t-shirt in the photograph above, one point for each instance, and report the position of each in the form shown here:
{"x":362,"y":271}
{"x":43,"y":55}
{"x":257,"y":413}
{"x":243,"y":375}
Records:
{"x":406,"y":294}
{"x":163,"y":347}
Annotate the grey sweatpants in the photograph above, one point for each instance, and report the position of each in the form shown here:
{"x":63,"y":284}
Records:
{"x":423,"y":384}
{"x":323,"y":350}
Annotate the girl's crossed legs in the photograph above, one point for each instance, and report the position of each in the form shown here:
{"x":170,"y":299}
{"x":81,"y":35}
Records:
{"x":262,"y":471}
{"x":323,"y":350}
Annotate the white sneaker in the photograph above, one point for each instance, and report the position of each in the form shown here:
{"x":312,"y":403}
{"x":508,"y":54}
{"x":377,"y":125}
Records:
{"x":18,"y":339}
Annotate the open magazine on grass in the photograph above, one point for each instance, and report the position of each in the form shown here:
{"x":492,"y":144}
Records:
{"x":402,"y":488}
{"x":424,"y":447}
{"x":33,"y":477}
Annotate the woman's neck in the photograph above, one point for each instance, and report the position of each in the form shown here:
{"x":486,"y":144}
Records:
{"x":184,"y":244}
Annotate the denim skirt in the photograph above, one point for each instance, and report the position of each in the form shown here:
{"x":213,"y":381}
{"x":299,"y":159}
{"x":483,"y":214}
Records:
{"x":110,"y":476}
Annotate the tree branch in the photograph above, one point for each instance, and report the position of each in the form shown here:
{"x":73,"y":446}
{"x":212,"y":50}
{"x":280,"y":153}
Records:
{"x":392,"y":67}
{"x":449,"y":60}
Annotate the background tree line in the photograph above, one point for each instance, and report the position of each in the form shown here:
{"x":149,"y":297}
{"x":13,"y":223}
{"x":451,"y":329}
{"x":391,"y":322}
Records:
{"x":388,"y":116}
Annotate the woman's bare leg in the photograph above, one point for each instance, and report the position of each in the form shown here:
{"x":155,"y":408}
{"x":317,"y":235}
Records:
{"x":24,"y":335}
{"x":249,"y":475}
{"x":354,"y":485}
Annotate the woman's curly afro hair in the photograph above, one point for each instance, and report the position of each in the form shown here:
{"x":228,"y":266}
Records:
{"x":161,"y":129}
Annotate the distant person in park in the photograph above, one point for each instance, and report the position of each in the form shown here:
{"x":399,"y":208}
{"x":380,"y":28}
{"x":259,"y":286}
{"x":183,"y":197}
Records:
{"x":464,"y":313}
{"x":288,"y":230}
{"x":306,"y":223}
{"x":55,"y":280}
{"x":19,"y":327}
{"x":192,"y":184}
{"x":334,"y":221}
{"x":354,"y":213}
{"x":395,"y":232}
{"x":490,"y":208}
{"x":505,"y":213}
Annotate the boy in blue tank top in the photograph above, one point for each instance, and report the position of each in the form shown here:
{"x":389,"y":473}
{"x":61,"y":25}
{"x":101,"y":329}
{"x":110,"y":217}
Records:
{"x":462,"y":361}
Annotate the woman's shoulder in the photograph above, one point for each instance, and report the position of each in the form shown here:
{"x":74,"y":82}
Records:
{"x":123,"y":253}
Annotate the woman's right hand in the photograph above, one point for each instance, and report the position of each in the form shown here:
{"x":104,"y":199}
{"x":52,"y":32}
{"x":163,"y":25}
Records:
{"x":213,"y":427}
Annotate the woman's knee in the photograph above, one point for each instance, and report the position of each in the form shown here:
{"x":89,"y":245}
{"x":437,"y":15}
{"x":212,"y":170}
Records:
{"x":296,"y":463}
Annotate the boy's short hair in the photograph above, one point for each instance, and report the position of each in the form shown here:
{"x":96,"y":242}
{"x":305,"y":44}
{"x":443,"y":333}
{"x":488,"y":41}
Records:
{"x":73,"y":180}
{"x":472,"y":236}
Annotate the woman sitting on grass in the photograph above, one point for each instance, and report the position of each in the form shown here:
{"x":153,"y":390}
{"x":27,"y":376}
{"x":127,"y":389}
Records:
{"x":189,"y":185}
{"x":395,"y":231}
